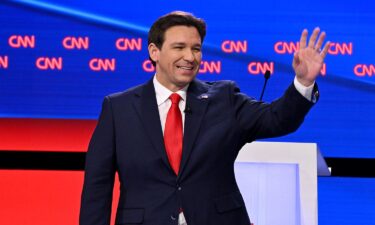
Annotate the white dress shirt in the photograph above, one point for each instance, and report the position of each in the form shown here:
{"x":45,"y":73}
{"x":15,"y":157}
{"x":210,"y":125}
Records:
{"x":164,"y":103}
{"x":303,"y":90}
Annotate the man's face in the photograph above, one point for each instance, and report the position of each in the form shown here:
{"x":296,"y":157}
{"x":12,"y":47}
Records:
{"x":178,"y":60}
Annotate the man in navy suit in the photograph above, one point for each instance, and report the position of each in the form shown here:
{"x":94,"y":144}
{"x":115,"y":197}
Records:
{"x":174,"y":140}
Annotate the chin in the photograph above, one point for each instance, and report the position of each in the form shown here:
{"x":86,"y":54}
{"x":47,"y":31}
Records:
{"x":184,"y":82}
{"x":188,"y":79}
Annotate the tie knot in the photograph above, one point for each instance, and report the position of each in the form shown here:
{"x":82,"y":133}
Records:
{"x":175,"y":98}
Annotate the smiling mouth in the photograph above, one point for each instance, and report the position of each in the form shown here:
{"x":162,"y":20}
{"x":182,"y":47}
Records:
{"x":189,"y":68}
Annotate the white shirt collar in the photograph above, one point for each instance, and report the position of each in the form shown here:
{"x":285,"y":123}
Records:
{"x":163,"y":93}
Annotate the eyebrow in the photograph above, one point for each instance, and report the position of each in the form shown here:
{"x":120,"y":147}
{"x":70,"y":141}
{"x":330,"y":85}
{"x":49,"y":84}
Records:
{"x":178,"y":43}
{"x":183,"y":44}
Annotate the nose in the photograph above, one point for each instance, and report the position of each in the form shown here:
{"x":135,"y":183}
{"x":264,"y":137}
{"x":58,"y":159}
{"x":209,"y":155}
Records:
{"x":189,"y":55}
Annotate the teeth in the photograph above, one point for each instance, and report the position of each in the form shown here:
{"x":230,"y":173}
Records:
{"x":185,"y":67}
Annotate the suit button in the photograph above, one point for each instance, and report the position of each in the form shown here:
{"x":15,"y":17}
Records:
{"x":173,"y":217}
{"x":179,"y":188}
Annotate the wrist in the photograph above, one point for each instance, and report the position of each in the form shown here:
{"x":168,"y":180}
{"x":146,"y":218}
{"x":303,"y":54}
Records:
{"x":305,"y":82}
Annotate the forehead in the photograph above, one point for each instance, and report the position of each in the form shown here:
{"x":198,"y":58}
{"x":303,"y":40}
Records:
{"x":182,"y":34}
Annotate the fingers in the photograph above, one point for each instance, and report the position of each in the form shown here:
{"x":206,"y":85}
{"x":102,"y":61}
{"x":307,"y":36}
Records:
{"x":296,"y":61}
{"x":313,"y":42}
{"x":296,"y":58}
{"x":313,"y":37}
{"x":302,"y":41}
{"x":319,"y":44}
{"x":323,"y":53}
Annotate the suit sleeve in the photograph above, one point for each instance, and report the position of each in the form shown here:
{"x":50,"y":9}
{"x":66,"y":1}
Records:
{"x":96,"y":199}
{"x":264,"y":120}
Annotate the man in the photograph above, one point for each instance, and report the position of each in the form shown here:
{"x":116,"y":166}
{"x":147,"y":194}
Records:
{"x":174,"y":139}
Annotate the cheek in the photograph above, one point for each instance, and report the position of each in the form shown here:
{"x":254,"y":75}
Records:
{"x":198,"y":56}
{"x":172,"y":58}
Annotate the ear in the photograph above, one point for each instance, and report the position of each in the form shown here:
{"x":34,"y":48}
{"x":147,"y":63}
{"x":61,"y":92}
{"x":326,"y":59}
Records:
{"x":153,"y":52}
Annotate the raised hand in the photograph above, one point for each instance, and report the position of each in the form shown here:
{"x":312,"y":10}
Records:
{"x":309,"y":59}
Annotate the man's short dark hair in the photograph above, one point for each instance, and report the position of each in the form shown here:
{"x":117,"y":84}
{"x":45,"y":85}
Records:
{"x":176,"y":18}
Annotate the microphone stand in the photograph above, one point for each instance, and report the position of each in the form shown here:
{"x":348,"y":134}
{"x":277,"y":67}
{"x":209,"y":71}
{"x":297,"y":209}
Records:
{"x":267,"y":76}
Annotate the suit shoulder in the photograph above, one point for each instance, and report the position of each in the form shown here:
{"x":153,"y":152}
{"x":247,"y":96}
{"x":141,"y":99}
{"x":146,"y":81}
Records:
{"x":219,"y":84}
{"x":126,"y":93}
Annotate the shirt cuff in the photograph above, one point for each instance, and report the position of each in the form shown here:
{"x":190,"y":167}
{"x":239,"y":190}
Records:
{"x":303,"y":90}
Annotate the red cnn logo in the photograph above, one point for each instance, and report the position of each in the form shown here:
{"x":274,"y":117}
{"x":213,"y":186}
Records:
{"x":210,"y":67}
{"x":341,"y":48}
{"x":125,"y":44}
{"x":282,"y":47}
{"x":97,"y":64}
{"x":45,"y":63}
{"x":229,"y":46}
{"x":260,"y":68}
{"x":362,"y":70}
{"x":147,"y":66}
{"x":4,"y":62}
{"x":76,"y":43}
{"x":18,"y":41}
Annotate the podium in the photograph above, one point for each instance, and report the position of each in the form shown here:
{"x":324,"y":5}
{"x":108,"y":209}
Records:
{"x":278,"y":181}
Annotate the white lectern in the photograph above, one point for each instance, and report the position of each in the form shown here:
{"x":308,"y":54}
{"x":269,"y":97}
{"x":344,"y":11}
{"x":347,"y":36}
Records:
{"x":278,"y":181}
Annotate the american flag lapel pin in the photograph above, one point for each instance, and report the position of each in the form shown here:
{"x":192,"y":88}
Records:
{"x":204,"y":96}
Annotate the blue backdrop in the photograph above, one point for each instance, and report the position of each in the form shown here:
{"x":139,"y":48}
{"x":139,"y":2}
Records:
{"x":244,"y":37}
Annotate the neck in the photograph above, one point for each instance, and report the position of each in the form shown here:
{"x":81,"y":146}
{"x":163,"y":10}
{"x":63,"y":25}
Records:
{"x":170,"y":86}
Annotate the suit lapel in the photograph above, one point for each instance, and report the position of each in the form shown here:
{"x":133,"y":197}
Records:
{"x":197,"y":102}
{"x":147,"y":109}
{"x":146,"y":106}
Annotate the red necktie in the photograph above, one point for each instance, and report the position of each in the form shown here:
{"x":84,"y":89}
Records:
{"x":173,"y":133}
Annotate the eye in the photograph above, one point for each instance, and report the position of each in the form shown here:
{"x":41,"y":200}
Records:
{"x":197,"y":49}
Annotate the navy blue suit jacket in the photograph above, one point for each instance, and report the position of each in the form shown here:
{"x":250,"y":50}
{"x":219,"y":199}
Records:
{"x":129,"y":139}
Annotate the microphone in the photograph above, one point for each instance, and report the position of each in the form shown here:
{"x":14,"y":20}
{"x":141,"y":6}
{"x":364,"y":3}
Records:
{"x":267,"y":76}
{"x":187,"y":110}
